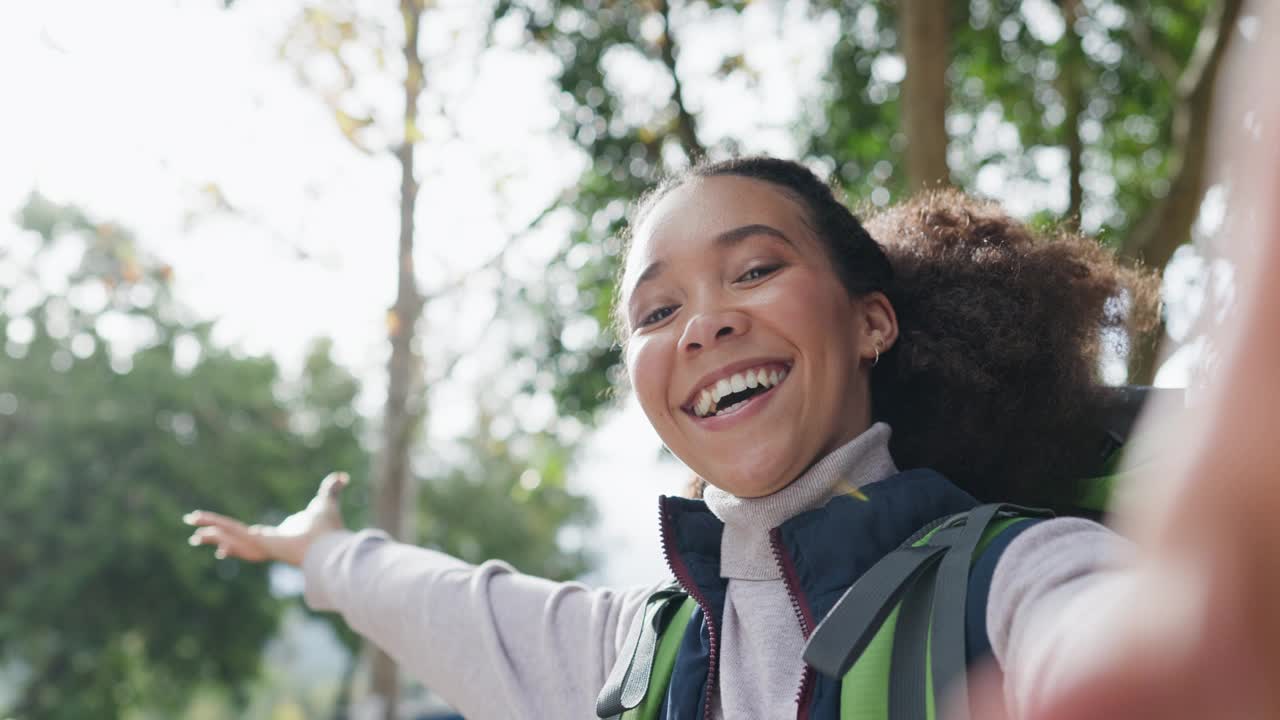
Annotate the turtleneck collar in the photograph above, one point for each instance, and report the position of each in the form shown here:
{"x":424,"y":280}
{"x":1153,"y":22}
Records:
{"x":745,"y":552}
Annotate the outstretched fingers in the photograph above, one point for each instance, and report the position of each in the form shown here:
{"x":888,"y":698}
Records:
{"x":286,"y":542}
{"x":231,"y":537}
{"x":204,"y":518}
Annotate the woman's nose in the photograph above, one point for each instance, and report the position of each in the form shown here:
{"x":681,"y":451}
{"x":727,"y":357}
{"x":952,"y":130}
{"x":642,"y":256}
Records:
{"x":707,"y":329}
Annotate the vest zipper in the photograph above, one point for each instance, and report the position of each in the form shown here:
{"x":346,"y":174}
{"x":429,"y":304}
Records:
{"x":681,"y":572}
{"x":791,"y":579}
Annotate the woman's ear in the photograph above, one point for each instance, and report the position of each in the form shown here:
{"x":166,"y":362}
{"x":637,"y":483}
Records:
{"x":880,"y":325}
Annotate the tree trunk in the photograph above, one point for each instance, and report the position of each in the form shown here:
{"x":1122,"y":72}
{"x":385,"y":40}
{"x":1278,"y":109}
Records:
{"x":1073,"y":101}
{"x":1168,"y":221}
{"x":341,"y":709}
{"x":1146,"y":355}
{"x":405,"y":407}
{"x":923,"y":30}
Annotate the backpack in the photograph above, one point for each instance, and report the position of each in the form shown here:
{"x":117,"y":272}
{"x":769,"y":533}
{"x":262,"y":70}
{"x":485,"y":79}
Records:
{"x":920,"y":589}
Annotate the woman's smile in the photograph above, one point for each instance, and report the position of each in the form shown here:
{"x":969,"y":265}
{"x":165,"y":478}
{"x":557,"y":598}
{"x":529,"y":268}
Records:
{"x":720,"y":391}
{"x":737,"y":396}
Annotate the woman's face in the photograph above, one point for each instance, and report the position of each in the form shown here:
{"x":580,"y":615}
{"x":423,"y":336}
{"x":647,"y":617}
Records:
{"x":747,"y":354}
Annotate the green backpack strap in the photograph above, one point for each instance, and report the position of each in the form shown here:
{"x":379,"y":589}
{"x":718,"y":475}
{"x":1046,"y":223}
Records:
{"x":664,"y":663}
{"x":890,"y":669}
{"x":846,"y":631}
{"x":628,"y":683}
{"x":922,"y":666}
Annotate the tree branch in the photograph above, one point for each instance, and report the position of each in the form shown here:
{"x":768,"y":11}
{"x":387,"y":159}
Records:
{"x":494,"y":260}
{"x":1140,"y":28}
{"x":1167,"y":222}
{"x":1073,"y":100}
{"x":686,"y":126}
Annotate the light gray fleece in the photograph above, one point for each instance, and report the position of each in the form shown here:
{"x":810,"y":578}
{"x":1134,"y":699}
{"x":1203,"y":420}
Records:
{"x":761,"y":639}
{"x":498,"y":644}
{"x":1050,"y":596}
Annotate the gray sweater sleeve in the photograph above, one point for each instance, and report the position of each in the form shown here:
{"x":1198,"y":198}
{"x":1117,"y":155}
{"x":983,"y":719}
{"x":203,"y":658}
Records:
{"x":1052,"y":590}
{"x":492,"y":642}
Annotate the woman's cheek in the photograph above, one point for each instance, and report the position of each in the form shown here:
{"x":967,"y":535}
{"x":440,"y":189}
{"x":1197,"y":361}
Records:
{"x":650,"y":375}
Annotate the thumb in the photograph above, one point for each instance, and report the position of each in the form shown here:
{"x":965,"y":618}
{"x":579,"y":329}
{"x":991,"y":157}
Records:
{"x":332,"y":485}
{"x":326,"y":501}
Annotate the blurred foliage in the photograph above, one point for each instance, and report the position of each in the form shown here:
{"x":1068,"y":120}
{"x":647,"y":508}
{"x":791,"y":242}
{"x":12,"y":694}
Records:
{"x":508,"y":500}
{"x":105,"y":606}
{"x":1007,"y":112}
{"x":858,"y":131}
{"x":106,"y":446}
{"x":1127,"y":104}
{"x":1003,"y":72}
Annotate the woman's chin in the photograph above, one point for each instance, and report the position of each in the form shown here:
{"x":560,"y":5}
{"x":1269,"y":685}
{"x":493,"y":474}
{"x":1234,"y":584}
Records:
{"x":746,"y":484}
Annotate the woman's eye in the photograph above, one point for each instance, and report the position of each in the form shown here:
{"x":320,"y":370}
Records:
{"x":756,"y":273}
{"x":657,"y":315}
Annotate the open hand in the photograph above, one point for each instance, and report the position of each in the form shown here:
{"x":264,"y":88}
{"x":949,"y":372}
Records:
{"x":286,"y":542}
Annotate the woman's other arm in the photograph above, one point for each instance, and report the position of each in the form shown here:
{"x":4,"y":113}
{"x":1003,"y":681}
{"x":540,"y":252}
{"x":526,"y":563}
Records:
{"x":1051,"y":588}
{"x":1190,"y":629}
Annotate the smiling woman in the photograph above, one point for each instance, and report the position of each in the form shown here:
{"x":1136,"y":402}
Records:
{"x":991,"y":335}
{"x":795,"y":363}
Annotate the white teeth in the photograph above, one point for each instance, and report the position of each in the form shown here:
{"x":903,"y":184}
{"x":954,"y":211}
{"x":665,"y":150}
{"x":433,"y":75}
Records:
{"x":709,"y":397}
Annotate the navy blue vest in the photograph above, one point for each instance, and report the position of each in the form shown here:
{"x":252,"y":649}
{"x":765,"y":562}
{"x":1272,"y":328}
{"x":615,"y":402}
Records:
{"x":820,"y":553}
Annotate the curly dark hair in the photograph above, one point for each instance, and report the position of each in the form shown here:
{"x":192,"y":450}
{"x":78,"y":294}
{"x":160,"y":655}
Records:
{"x":995,"y":379}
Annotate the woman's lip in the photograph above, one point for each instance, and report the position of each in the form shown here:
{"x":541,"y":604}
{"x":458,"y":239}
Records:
{"x":752,"y":407}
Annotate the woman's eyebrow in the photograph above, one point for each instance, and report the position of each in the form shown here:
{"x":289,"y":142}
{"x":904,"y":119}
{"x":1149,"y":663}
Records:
{"x":652,"y":271}
{"x":728,"y":238}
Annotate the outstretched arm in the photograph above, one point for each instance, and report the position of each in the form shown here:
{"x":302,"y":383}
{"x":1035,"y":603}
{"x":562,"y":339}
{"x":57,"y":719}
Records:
{"x":493,"y":642}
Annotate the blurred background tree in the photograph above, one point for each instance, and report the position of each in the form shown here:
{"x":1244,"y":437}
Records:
{"x":371,"y":50}
{"x":328,"y":34}
{"x":117,"y":415}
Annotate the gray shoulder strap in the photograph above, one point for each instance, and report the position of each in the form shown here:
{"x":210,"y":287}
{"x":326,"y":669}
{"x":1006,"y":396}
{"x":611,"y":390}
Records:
{"x":629,"y":679}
